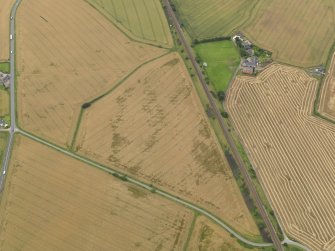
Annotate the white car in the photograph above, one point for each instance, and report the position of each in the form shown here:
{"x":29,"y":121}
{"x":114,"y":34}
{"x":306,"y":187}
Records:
{"x":11,"y":52}
{"x":11,"y":18}
{"x":4,"y":172}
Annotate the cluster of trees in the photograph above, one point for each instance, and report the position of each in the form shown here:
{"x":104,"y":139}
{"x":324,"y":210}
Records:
{"x":213,"y":39}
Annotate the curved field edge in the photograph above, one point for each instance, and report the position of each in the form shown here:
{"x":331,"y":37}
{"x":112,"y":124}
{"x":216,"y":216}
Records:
{"x":167,"y":43}
{"x":245,"y":88}
{"x":118,"y":139}
{"x":75,"y":199}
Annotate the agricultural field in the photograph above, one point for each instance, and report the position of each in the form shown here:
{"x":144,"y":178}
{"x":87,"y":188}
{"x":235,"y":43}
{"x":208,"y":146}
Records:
{"x":327,"y":99}
{"x":222,"y":59}
{"x":53,"y":202}
{"x":3,"y":144}
{"x":291,"y":150}
{"x":6,"y":6}
{"x":141,"y":19}
{"x":154,"y":127}
{"x":297,"y":32}
{"x":4,"y":103}
{"x":68,"y":53}
{"x":208,"y":236}
{"x":212,"y":18}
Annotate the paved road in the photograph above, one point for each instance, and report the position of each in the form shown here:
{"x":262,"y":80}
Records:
{"x":12,"y":97}
{"x":255,"y":196}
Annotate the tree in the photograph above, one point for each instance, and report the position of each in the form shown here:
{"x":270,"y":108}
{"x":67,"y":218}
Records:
{"x":225,"y":114}
{"x":221,"y":95}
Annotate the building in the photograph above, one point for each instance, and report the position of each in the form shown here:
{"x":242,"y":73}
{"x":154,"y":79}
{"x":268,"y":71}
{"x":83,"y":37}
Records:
{"x":5,"y":79}
{"x":249,"y":65}
{"x":3,"y":124}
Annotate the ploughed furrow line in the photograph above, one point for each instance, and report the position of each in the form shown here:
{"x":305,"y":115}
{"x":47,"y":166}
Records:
{"x":327,"y":98}
{"x":291,"y":151}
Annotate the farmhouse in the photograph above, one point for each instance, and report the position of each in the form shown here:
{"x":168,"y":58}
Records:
{"x":5,"y":79}
{"x":249,"y":65}
{"x":3,"y":124}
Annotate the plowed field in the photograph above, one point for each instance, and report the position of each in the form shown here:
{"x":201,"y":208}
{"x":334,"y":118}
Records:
{"x":67,"y":53}
{"x":53,"y":202}
{"x":327,"y":100}
{"x":292,"y":151}
{"x":153,"y":126}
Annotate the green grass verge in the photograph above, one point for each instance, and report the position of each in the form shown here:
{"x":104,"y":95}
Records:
{"x":5,"y":67}
{"x":190,"y":231}
{"x":222,"y":59}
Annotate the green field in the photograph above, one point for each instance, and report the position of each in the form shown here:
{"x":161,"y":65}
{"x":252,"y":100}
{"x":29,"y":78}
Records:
{"x":4,"y":102}
{"x":213,"y":18}
{"x":222,"y":58}
{"x":4,"y":67}
{"x":143,"y":20}
{"x":3,"y":144}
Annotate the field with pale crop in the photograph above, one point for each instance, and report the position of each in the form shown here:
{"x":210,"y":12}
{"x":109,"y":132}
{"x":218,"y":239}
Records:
{"x":141,"y":19}
{"x":53,"y":202}
{"x":297,"y":32}
{"x":154,"y":127}
{"x":291,"y":150}
{"x":5,"y":9}
{"x":3,"y":144}
{"x":327,"y":99}
{"x":67,"y":53}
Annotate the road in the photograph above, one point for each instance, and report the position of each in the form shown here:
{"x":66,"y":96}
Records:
{"x":12,"y":127}
{"x":255,"y":196}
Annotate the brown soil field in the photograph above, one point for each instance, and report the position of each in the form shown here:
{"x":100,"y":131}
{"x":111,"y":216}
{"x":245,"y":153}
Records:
{"x":53,"y":202}
{"x":6,"y":6}
{"x":298,"y":32}
{"x":4,"y":103}
{"x":153,"y":126}
{"x":207,"y":236}
{"x":291,"y":151}
{"x":67,"y":53}
{"x":327,"y":99}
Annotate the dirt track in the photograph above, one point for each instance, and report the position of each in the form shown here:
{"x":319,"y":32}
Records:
{"x":292,"y":151}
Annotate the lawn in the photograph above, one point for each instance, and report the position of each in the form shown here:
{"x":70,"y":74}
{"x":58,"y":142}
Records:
{"x":222,"y":58}
{"x":4,"y":102}
{"x":3,"y":143}
{"x":4,"y":67}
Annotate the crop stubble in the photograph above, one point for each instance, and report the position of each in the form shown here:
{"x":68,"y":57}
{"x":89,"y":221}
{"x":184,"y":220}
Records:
{"x":53,"y":202}
{"x":5,"y":9}
{"x":327,"y":99}
{"x":153,"y":126}
{"x":292,"y":151}
{"x":67,"y":53}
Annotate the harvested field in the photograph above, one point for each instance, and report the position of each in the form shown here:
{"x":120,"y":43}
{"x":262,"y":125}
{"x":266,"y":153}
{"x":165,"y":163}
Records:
{"x":207,"y":236}
{"x":292,"y":151}
{"x":141,"y":19}
{"x":53,"y":202}
{"x":213,"y":18}
{"x":67,"y":53}
{"x":4,"y":103}
{"x":6,"y":6}
{"x":327,"y":99}
{"x":153,"y":126}
{"x":298,"y":32}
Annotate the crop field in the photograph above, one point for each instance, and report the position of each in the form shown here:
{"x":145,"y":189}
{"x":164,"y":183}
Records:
{"x":53,"y":202}
{"x":212,"y":18}
{"x":4,"y":103}
{"x":222,"y":59}
{"x":153,"y":126}
{"x":208,"y":236}
{"x":141,"y":19}
{"x":6,"y":6}
{"x":292,"y":151}
{"x":67,"y":53}
{"x":327,"y":100}
{"x":297,"y":32}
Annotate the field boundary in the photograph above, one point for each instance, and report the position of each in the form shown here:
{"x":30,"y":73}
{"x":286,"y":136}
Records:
{"x":127,"y":33}
{"x":127,"y":178}
{"x":87,"y":104}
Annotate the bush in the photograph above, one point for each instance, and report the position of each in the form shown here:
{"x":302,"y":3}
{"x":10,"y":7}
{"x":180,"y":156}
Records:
{"x":86,"y":105}
{"x":221,"y":95}
{"x":225,"y":114}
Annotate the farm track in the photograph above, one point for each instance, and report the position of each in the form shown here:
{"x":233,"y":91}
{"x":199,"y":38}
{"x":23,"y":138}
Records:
{"x":292,"y":150}
{"x":247,"y":178}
